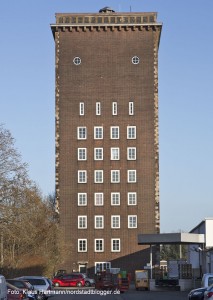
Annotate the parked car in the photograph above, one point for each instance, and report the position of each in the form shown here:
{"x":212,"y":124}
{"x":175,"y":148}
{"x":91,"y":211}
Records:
{"x":197,"y":294}
{"x":69,"y":280}
{"x":14,"y":293}
{"x":207,"y":280}
{"x":3,"y":288}
{"x":208,"y":294}
{"x":24,"y":286}
{"x":88,"y":281}
{"x":42,"y":284}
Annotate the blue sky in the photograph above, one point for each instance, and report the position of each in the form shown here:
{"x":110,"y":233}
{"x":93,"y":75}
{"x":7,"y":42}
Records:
{"x":27,"y":96}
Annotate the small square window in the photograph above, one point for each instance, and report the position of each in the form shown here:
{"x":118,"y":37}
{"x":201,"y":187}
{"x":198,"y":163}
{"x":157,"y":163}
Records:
{"x":114,"y":132}
{"x":82,"y":222}
{"x":98,"y":132}
{"x":98,"y":176}
{"x":115,"y":176}
{"x":99,"y":245}
{"x":132,"y":221}
{"x":115,"y":153}
{"x":99,"y":222}
{"x":82,"y":133}
{"x":131,"y":132}
{"x":131,"y":153}
{"x":82,"y":199}
{"x":132,"y":198}
{"x":82,"y":176}
{"x":115,"y":198}
{"x":82,"y":245}
{"x":115,"y":221}
{"x":115,"y":245}
{"x":98,"y":153}
{"x":131,"y":175}
{"x":99,"y":199}
{"x":82,"y":153}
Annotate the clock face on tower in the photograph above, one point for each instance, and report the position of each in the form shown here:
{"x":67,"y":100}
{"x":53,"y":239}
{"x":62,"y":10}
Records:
{"x":77,"y":60}
{"x":135,"y":60}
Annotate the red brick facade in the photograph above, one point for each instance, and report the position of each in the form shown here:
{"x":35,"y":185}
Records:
{"x":106,"y":44}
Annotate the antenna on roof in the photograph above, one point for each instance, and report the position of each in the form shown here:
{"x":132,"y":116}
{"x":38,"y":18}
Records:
{"x":130,"y":8}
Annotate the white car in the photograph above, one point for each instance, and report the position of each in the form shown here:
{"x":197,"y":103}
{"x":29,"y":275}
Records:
{"x":208,"y":295}
{"x":41,"y":284}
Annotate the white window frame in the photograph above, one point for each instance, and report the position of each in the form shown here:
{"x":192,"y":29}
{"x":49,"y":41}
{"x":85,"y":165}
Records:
{"x":81,"y":135}
{"x":130,"y":135}
{"x":129,"y":176}
{"x":117,"y":195}
{"x":98,"y":132}
{"x":80,"y":173}
{"x":80,"y":153}
{"x":115,"y":174}
{"x":82,"y":222}
{"x":98,"y":176}
{"x":96,"y":200}
{"x":101,"y":249}
{"x":115,"y":157}
{"x":81,"y":108}
{"x":112,"y":136}
{"x":98,"y":108}
{"x":130,"y":201}
{"x":114,"y":108}
{"x":97,"y":152}
{"x":112,"y":245}
{"x":102,"y":266}
{"x":97,"y":226}
{"x":82,"y":201}
{"x":84,"y":247}
{"x":129,"y":153}
{"x":115,"y":221}
{"x":131,"y":108}
{"x":132,"y":221}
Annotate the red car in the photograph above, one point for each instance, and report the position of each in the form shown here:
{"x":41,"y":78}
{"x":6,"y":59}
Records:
{"x":69,"y":280}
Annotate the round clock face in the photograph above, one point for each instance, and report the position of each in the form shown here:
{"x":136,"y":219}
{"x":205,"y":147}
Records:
{"x":135,"y":60}
{"x":77,"y":60}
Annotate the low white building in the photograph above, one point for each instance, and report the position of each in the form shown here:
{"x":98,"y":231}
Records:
{"x":201,"y":256}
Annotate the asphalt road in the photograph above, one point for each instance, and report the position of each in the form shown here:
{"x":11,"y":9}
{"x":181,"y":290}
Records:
{"x":131,"y":294}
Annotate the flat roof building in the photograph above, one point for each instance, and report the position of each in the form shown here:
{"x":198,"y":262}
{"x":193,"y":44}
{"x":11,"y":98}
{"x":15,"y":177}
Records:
{"x":107,"y":148}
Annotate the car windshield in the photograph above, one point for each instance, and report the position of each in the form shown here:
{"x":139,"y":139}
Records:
{"x":35,"y":281}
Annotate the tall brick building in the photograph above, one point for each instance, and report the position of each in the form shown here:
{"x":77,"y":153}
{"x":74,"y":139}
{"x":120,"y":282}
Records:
{"x":107,"y":161}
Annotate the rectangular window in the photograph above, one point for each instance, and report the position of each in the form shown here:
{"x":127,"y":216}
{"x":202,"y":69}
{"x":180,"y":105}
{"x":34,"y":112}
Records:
{"x":115,"y":221}
{"x":99,"y":222}
{"x":98,"y":132}
{"x":98,"y":153}
{"x":131,"y":132}
{"x":99,"y":199}
{"x":82,"y":133}
{"x":81,"y":108}
{"x":114,"y":134}
{"x":131,"y":175}
{"x":82,"y":222}
{"x":132,"y":221}
{"x":115,"y":153}
{"x":115,"y":176}
{"x":82,"y":199}
{"x":99,"y":245}
{"x":114,"y":108}
{"x":102,"y":266}
{"x":82,"y":245}
{"x":115,"y":198}
{"x":82,"y":153}
{"x":115,"y":245}
{"x":131,"y":108}
{"x":132,"y":198}
{"x":98,"y":108}
{"x":98,"y":176}
{"x":82,"y":176}
{"x":131,"y":153}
